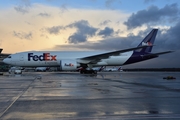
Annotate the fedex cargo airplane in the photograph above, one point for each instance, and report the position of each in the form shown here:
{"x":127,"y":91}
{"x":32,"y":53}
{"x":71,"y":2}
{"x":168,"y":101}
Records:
{"x":73,"y":60}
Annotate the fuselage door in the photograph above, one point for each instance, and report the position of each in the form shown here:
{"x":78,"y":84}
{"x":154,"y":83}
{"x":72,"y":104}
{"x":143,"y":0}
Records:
{"x":21,"y":57}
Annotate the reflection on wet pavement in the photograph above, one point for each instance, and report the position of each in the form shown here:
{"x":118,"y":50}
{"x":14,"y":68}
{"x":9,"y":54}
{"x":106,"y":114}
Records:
{"x":108,"y":95}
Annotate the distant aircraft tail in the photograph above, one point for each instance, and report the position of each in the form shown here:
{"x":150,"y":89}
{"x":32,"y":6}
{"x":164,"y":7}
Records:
{"x":149,"y":41}
{"x":102,"y":68}
{"x":119,"y":69}
{"x":1,"y":50}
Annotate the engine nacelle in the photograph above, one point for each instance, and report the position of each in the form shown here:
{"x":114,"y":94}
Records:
{"x":68,"y":64}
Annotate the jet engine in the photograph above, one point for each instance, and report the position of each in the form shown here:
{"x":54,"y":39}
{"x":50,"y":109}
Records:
{"x":68,"y":64}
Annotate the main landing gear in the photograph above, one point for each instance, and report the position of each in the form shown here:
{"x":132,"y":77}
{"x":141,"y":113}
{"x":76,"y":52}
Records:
{"x":84,"y":71}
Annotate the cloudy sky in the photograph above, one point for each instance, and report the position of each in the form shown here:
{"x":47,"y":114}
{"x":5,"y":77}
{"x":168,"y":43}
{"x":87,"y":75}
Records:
{"x":91,"y":25}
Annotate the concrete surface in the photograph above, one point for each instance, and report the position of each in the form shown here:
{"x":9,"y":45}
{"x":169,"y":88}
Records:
{"x":109,"y":95}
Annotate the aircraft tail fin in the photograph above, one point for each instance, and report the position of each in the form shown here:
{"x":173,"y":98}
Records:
{"x":148,"y":41}
{"x":119,"y":69}
{"x":102,"y":68}
{"x":1,"y":50}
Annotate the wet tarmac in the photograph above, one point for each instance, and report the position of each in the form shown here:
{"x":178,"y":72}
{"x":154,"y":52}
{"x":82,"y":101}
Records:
{"x":106,"y":96}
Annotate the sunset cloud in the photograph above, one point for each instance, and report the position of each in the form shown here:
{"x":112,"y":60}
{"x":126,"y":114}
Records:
{"x":46,"y":26}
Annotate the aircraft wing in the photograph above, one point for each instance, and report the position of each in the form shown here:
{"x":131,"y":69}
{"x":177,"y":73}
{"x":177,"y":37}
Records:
{"x":96,"y":58}
{"x":4,"y":55}
{"x":156,"y":54}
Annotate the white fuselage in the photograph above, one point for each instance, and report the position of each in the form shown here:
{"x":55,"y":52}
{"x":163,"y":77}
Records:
{"x":53,"y":58}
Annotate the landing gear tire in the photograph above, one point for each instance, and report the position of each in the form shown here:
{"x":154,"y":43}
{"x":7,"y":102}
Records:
{"x":82,"y":71}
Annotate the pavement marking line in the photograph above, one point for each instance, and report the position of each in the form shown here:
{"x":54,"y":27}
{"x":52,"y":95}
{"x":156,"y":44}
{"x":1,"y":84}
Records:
{"x":1,"y":115}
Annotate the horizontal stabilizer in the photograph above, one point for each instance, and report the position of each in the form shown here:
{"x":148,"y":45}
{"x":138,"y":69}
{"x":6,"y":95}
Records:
{"x":156,"y":54}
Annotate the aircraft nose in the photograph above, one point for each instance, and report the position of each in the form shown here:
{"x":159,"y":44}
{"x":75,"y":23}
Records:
{"x":6,"y":61}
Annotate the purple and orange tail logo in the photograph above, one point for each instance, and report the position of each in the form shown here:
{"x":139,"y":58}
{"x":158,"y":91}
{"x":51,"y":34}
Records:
{"x":147,"y":44}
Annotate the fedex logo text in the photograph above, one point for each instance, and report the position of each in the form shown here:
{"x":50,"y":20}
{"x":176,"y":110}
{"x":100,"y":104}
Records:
{"x":43,"y":57}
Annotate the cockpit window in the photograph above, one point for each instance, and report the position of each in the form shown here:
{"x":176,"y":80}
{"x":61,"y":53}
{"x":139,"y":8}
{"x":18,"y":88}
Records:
{"x":9,"y":57}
